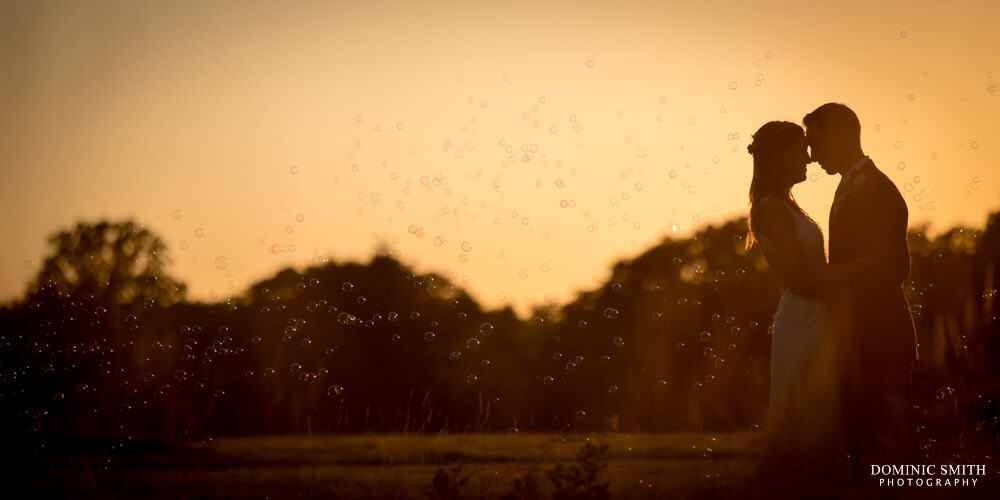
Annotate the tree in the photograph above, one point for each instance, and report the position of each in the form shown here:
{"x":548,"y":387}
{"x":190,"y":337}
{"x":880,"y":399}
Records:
{"x":115,"y":263}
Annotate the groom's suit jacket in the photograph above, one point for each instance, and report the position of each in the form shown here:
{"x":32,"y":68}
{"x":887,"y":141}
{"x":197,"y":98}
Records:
{"x":869,"y":219}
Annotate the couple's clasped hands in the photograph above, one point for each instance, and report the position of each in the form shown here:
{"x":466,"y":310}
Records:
{"x":824,"y":280}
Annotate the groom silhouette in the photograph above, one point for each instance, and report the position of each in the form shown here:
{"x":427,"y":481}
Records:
{"x":876,"y":339}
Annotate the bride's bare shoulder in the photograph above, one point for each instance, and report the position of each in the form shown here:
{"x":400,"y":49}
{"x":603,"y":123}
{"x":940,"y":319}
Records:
{"x":770,"y":211}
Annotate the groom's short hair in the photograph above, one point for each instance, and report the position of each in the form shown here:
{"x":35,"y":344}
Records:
{"x":836,"y":118}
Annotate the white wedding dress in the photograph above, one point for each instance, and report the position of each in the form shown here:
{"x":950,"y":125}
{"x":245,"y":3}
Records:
{"x":803,"y":406}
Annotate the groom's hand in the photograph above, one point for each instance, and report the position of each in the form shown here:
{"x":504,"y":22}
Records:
{"x":805,"y":285}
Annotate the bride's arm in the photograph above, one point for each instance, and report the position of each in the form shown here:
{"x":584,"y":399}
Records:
{"x":817,"y":281}
{"x":773,"y":222}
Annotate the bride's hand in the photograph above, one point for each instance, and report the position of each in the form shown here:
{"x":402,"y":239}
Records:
{"x":824,"y":281}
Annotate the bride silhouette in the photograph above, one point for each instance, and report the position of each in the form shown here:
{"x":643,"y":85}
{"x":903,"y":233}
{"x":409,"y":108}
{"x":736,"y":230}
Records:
{"x":804,"y":431}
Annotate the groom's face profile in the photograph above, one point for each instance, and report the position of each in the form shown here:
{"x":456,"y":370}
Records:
{"x":821,"y":145}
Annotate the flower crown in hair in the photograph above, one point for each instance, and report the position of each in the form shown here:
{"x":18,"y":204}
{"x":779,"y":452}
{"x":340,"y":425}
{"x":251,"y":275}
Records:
{"x":759,"y":142}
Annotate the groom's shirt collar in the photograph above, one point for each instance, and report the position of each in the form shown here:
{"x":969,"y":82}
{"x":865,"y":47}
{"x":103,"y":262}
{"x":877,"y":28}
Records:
{"x":854,"y":168}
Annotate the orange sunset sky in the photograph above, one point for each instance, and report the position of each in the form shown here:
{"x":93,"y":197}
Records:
{"x":517,"y":147}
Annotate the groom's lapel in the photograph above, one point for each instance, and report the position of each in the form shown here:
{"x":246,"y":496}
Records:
{"x":837,"y":199}
{"x":847,"y":195}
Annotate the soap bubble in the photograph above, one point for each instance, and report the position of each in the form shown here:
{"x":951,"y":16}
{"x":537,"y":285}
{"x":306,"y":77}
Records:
{"x":945,"y":392}
{"x":486,"y":329}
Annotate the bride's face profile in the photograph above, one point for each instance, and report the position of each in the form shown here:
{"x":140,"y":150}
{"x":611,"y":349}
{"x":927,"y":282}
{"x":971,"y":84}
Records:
{"x":794,"y":161}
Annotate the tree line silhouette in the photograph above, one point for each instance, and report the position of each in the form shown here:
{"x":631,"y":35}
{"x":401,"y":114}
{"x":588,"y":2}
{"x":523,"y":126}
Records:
{"x":105,"y":344}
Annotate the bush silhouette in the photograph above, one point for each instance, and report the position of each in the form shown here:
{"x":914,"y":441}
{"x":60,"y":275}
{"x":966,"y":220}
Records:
{"x":579,"y":481}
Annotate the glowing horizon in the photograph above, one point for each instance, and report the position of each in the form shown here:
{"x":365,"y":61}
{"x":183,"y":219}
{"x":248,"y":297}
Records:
{"x":392,"y":123}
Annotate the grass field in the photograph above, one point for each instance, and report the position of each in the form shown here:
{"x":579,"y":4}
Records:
{"x":676,"y":465}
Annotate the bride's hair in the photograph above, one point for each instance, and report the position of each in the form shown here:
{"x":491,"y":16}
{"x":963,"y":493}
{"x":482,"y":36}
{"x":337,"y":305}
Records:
{"x":770,"y":142}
